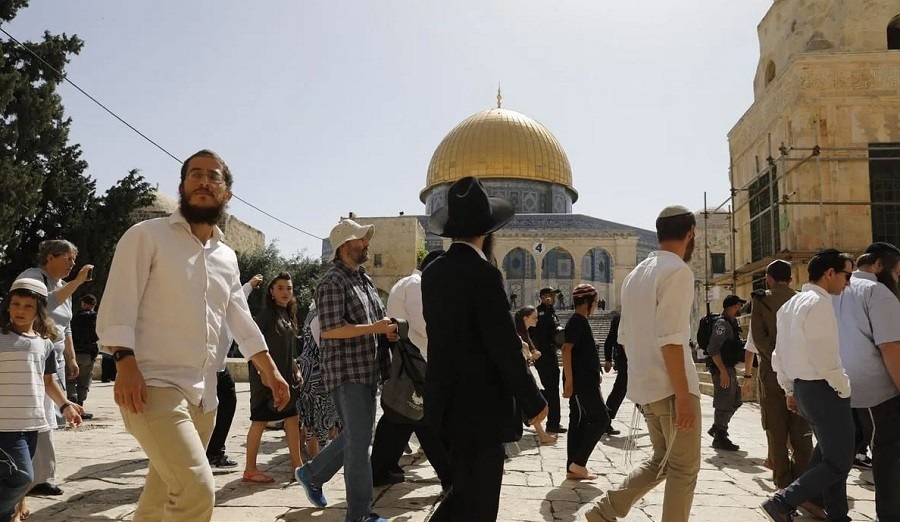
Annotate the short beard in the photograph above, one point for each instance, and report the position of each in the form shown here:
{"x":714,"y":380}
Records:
{"x":689,"y":251}
{"x":362,"y":257}
{"x":200,"y":215}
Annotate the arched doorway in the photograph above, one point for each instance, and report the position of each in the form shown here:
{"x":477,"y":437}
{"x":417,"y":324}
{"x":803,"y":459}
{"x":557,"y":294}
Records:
{"x":596,"y":269}
{"x":558,"y":271}
{"x":519,"y":271}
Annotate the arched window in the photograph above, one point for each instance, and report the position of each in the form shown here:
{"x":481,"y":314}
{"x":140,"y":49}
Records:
{"x":595,"y":266}
{"x":893,"y":34}
{"x":770,"y":72}
{"x":558,"y":264}
{"x":519,"y":264}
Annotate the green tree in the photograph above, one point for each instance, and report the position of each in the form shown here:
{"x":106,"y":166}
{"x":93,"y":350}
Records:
{"x":46,"y":191}
{"x":305,"y":273}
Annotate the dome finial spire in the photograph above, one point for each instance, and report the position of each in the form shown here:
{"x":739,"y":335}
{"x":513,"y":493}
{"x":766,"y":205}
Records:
{"x":499,"y":96}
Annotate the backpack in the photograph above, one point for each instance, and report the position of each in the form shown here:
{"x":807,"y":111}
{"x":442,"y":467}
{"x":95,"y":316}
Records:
{"x":704,"y":330}
{"x":403,"y":391}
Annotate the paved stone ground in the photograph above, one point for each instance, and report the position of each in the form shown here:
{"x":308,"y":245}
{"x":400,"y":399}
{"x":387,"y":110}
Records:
{"x":102,"y":470}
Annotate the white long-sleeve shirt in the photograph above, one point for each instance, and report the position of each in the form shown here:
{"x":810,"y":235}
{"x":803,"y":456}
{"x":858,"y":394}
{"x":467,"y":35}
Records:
{"x":657,"y":297}
{"x":167,"y":297}
{"x":405,"y":302}
{"x":210,"y":398}
{"x":807,"y":344}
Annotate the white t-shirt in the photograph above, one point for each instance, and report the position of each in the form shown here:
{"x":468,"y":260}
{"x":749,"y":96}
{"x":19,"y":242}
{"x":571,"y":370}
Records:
{"x":22,"y":363}
{"x":657,"y":297}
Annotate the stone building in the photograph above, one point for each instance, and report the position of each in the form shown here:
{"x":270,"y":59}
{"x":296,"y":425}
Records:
{"x":519,"y":159}
{"x":816,"y":158}
{"x":711,"y":262}
{"x":238,"y":235}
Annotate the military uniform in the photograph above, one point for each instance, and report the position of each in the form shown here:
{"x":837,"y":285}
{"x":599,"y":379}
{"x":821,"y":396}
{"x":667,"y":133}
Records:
{"x":780,"y":424}
{"x":547,"y":364}
{"x":726,"y":335}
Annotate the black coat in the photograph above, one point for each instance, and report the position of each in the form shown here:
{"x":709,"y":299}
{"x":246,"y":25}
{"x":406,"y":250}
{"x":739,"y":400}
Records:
{"x":477,"y":381}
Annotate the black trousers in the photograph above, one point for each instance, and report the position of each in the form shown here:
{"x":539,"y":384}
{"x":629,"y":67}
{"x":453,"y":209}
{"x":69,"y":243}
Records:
{"x":863,"y":425}
{"x":886,"y":459}
{"x":224,"y":415}
{"x":548,"y":370}
{"x":390,"y":441}
{"x":107,"y":368}
{"x":588,"y":421}
{"x":477,"y":472}
{"x":617,"y":395}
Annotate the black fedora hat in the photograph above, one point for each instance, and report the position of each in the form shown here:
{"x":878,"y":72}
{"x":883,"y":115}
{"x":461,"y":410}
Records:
{"x":469,"y":211}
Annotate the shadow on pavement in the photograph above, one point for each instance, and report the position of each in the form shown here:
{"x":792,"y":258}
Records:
{"x":567,"y":510}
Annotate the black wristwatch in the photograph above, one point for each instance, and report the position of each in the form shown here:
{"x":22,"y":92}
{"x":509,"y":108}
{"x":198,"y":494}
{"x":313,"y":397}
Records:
{"x":122,"y":353}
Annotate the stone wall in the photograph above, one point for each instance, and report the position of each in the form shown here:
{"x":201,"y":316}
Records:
{"x":839,"y":101}
{"x":713,"y":236}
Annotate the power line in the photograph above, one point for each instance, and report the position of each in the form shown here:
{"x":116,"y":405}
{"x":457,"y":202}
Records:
{"x":141,"y":134}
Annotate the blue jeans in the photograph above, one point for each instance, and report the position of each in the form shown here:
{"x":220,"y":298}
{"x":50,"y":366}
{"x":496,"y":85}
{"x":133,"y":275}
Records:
{"x":16,"y":474}
{"x":832,"y":423}
{"x":355,"y":403}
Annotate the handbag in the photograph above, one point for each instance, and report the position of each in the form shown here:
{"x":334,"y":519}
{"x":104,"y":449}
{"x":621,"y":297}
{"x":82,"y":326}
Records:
{"x":402,"y":396}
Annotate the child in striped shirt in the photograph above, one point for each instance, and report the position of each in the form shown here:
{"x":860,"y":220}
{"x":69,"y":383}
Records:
{"x":28,"y":365}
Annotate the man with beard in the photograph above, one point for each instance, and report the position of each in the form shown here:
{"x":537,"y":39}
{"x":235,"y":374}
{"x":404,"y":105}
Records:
{"x":657,"y":297}
{"x":543,"y":335}
{"x":172,"y":285}
{"x":868,"y":312}
{"x":354,"y":339}
{"x":477,"y":389}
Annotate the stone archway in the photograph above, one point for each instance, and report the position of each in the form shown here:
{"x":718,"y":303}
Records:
{"x":596,"y":269}
{"x":519,"y":271}
{"x":558,"y":270}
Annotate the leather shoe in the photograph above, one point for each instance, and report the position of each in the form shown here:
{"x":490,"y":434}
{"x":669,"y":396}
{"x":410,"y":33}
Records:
{"x":612,"y":431}
{"x":390,"y":478}
{"x":722,"y":442}
{"x":222,"y":461}
{"x":45,"y":488}
{"x":776,"y":513}
{"x":556,"y":429}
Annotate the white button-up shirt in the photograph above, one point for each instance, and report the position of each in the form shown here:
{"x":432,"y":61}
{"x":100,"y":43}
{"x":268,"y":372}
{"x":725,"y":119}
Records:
{"x":210,"y":398}
{"x":168,"y":296}
{"x":657,"y":297}
{"x":807,"y":343}
{"x":405,"y":302}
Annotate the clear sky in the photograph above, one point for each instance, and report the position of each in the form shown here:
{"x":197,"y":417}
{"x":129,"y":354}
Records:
{"x":326,"y":107}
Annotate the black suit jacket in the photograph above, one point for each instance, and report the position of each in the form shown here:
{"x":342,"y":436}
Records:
{"x":477,"y":382}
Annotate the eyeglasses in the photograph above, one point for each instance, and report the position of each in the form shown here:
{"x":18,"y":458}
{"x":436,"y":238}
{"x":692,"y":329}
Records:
{"x":68,"y":257}
{"x":846,"y":274}
{"x":215,"y":178}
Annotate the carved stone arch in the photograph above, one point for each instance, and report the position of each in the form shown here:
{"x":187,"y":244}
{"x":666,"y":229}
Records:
{"x":557,"y":264}
{"x":893,"y":34}
{"x":597,"y":266}
{"x":518,"y":264}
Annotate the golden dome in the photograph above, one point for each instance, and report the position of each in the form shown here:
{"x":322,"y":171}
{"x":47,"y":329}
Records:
{"x":499,"y":143}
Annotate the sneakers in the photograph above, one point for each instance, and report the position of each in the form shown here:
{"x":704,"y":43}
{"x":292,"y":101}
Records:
{"x":862,"y":461}
{"x":45,"y":488}
{"x":776,"y":512}
{"x":373,"y":517}
{"x":313,"y":492}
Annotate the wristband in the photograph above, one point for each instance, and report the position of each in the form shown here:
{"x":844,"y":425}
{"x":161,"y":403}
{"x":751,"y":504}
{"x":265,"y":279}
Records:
{"x":64,"y":406}
{"x":122,"y":353}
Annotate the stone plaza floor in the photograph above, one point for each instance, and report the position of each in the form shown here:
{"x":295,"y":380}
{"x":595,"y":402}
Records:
{"x":102,"y":470}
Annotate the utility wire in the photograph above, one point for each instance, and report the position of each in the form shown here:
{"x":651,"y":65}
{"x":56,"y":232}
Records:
{"x":139,"y":133}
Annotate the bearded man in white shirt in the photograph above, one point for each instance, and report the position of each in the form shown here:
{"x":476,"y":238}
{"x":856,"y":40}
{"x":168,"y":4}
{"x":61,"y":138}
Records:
{"x":172,"y":286}
{"x":808,"y":365}
{"x":657,"y":297}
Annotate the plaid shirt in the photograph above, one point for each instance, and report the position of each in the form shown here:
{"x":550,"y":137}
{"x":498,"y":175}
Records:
{"x":344,"y":296}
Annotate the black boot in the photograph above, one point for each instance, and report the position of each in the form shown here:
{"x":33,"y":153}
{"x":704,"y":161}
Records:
{"x":722,"y":442}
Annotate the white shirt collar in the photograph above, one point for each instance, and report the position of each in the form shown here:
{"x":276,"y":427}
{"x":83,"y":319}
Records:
{"x":815,"y":288}
{"x":178,"y":218}
{"x":480,"y":253}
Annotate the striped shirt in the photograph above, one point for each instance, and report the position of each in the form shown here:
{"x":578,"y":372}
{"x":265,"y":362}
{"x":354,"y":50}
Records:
{"x":24,"y":361}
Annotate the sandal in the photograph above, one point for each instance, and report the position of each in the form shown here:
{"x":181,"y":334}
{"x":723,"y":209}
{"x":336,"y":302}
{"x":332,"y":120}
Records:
{"x":256,"y":476}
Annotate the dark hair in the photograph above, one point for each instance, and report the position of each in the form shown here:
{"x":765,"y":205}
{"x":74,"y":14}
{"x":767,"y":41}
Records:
{"x":521,"y":329}
{"x":546,"y":290}
{"x":674,"y":227}
{"x":779,"y":270}
{"x":206,"y":153}
{"x":271,"y":307}
{"x":43,"y":324}
{"x":431,"y":256}
{"x":889,"y":260}
{"x":89,"y":299}
{"x":825,"y":259}
{"x":583,"y":299}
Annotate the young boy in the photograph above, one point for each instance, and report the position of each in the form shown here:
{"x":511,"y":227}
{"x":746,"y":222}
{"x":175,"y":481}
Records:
{"x":588,"y":416}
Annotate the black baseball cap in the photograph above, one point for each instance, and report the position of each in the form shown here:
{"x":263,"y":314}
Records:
{"x":546,"y":290}
{"x":732,"y":300}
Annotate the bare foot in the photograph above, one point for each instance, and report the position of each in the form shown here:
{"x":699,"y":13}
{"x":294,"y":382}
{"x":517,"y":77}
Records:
{"x":577,"y":472}
{"x":22,"y":511}
{"x":547,"y":439}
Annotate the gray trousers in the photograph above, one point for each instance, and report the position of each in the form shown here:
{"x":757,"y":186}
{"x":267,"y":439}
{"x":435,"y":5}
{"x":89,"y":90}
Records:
{"x":832,"y":424}
{"x":726,"y":401}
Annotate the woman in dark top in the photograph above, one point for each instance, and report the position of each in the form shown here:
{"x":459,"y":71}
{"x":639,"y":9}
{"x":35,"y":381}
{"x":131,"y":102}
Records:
{"x":278,"y":322}
{"x":588,"y":416}
{"x":524,"y":319}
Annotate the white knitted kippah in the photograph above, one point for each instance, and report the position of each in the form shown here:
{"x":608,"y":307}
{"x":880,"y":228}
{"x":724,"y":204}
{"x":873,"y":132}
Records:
{"x":673,"y":210}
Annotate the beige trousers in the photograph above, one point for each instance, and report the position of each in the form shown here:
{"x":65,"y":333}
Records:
{"x":173,"y":433}
{"x":680,"y":471}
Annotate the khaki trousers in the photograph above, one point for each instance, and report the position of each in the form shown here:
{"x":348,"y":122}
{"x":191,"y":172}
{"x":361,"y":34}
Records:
{"x":173,"y":433}
{"x":783,"y":427}
{"x":680,"y":471}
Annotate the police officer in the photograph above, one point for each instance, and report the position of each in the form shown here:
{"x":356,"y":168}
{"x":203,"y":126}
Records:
{"x":547,"y":365}
{"x":725,"y":351}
